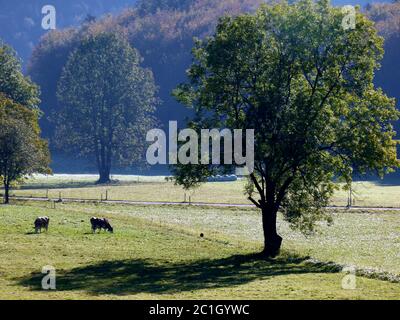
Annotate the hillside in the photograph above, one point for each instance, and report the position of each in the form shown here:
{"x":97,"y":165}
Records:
{"x":20,"y":20}
{"x":387,"y":18}
{"x":163,"y":31}
{"x":163,"y":36}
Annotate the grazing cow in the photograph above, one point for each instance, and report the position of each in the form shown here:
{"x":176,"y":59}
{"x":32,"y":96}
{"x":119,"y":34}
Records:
{"x":101,"y":223}
{"x":40,"y":223}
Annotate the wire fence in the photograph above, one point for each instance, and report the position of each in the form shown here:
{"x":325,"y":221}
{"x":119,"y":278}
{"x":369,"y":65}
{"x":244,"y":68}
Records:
{"x":362,"y":194}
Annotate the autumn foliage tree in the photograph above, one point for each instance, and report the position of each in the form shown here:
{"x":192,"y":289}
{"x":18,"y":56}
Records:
{"x":304,"y":83}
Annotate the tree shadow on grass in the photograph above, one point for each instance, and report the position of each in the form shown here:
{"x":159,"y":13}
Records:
{"x":150,"y":276}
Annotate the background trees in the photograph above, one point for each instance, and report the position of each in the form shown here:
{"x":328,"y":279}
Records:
{"x":22,"y":151}
{"x":292,"y":73}
{"x":387,"y":20}
{"x":107,"y":102}
{"x":163,"y":31}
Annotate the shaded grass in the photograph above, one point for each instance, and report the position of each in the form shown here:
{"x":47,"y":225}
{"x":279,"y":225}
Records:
{"x":125,"y":277}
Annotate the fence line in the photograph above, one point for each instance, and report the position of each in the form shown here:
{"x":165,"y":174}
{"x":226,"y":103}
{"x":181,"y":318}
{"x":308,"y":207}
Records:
{"x":198,"y":204}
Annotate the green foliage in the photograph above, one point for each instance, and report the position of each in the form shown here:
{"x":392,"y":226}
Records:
{"x":13,"y":84}
{"x":22,"y":151}
{"x":304,"y":205}
{"x":305,"y":84}
{"x":107,"y":102}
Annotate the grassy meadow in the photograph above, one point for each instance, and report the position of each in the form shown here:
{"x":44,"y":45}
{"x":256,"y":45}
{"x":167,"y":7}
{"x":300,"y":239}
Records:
{"x":156,"y":252}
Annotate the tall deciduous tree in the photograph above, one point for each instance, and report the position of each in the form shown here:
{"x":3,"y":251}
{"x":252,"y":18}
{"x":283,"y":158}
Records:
{"x":22,"y":151}
{"x":107,"y":102}
{"x":305,"y":84}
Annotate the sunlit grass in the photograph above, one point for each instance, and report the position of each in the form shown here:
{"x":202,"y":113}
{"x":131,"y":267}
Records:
{"x":141,"y":188}
{"x":364,"y":238}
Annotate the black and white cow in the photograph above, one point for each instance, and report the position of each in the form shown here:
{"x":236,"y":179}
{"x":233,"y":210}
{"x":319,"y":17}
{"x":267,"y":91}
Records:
{"x":40,"y":223}
{"x":101,"y":223}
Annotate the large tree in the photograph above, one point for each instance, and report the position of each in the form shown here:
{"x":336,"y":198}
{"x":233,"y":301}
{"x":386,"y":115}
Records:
{"x":22,"y":151}
{"x":303,"y":81}
{"x":107,"y":102}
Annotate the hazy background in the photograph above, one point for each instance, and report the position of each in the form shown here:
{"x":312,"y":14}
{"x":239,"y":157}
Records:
{"x":162,"y":31}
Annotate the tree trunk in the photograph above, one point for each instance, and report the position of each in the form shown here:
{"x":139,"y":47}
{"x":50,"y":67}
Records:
{"x":6,"y":193}
{"x":104,"y":173}
{"x":272,"y":241}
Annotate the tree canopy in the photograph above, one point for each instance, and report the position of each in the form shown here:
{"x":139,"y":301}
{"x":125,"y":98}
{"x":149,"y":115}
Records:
{"x":22,"y":151}
{"x":107,"y":102}
{"x":13,"y":84}
{"x":305,"y":85}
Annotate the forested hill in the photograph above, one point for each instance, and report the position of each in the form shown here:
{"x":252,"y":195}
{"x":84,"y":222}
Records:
{"x":162,"y":30}
{"x":20,"y":20}
{"x":387,"y":18}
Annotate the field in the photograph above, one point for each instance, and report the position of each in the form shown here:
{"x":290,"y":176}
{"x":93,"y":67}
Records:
{"x":139,"y":188}
{"x":156,"y":251}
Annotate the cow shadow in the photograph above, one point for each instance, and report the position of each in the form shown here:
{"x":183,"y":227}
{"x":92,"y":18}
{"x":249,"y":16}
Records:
{"x":31,"y":233}
{"x":151,"y":276}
